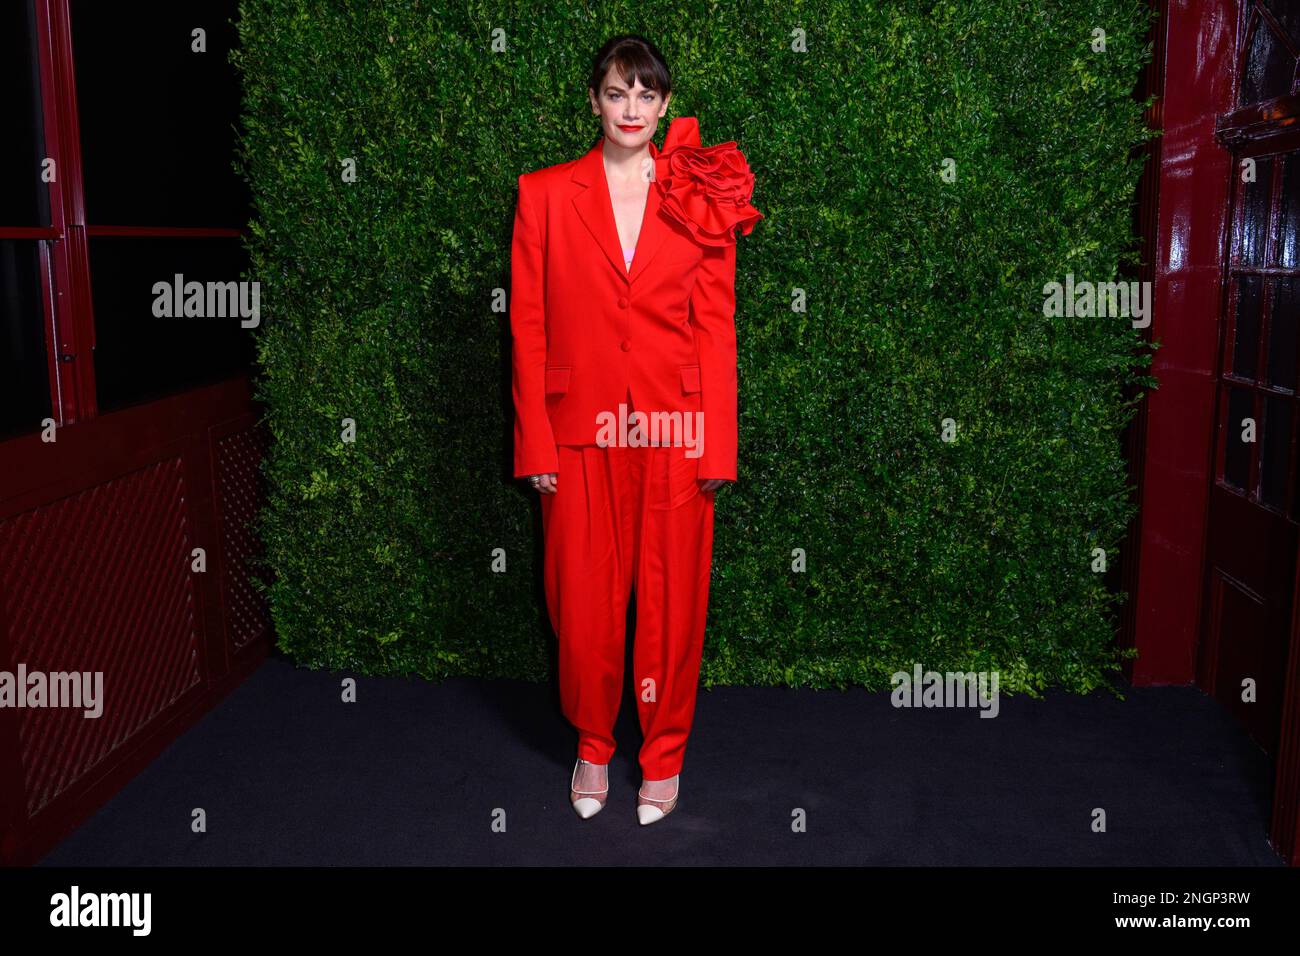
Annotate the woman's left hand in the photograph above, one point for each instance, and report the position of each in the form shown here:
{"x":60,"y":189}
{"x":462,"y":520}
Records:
{"x":711,"y":484}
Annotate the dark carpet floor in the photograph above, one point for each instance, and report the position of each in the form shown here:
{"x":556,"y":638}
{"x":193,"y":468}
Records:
{"x":416,"y":773}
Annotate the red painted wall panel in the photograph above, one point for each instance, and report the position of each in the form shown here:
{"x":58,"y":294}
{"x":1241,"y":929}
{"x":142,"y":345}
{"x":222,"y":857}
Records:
{"x":96,"y":535}
{"x":100,"y":583}
{"x":1199,"y":50}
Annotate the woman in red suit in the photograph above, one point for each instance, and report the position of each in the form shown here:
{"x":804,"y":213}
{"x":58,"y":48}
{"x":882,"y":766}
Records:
{"x":623,"y":367}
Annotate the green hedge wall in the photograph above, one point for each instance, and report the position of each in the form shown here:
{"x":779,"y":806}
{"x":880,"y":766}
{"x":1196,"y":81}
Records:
{"x":384,"y":303}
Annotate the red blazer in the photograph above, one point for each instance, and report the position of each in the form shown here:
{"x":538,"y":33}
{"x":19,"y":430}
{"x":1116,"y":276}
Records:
{"x":585,"y":330}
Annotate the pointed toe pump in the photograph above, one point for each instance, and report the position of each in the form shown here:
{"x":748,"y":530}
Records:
{"x":647,"y":813}
{"x":585,"y":802}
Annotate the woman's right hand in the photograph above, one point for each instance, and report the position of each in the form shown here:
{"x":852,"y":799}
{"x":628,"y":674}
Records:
{"x":546,"y":484}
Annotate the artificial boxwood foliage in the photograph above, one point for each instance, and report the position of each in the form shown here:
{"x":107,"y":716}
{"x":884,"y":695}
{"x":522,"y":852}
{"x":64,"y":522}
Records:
{"x":876,"y":300}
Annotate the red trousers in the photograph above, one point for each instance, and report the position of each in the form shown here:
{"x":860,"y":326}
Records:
{"x":625,"y":517}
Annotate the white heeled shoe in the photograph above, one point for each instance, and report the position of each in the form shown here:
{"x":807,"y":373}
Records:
{"x":587,"y":807}
{"x":649,"y":813}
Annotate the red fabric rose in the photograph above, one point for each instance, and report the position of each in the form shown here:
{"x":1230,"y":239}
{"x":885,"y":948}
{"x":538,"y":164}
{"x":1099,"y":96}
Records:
{"x":706,"y":189}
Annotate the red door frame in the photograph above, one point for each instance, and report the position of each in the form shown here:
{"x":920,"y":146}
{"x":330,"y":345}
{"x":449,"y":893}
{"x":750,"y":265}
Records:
{"x":65,"y":255}
{"x":1184,"y":212}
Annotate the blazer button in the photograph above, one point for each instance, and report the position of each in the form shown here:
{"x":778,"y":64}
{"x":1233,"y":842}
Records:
{"x":622,"y":302}
{"x":627,"y":345}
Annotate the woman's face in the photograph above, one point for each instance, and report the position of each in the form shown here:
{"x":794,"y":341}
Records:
{"x":629,"y":115}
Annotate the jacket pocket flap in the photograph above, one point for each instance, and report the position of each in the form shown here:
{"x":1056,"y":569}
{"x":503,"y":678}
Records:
{"x":557,"y":379}
{"x":690,"y":378}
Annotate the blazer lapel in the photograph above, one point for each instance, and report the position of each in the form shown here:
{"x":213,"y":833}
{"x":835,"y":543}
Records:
{"x":594,"y":205}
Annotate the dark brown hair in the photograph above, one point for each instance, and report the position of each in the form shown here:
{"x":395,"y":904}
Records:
{"x":636,"y":59}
